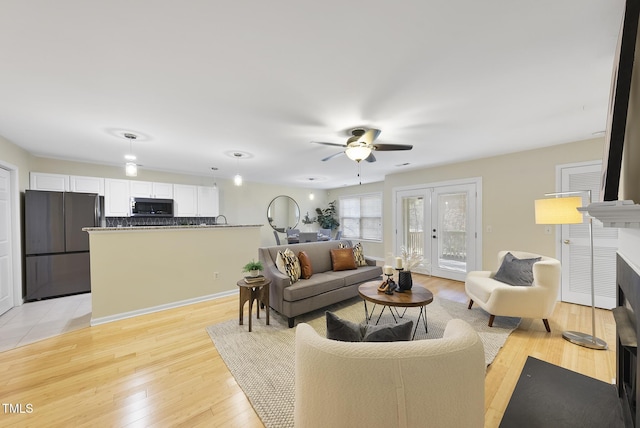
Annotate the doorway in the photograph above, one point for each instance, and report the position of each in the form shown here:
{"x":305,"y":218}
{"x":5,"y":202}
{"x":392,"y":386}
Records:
{"x":6,"y":242}
{"x":439,"y":222}
{"x":573,"y":246}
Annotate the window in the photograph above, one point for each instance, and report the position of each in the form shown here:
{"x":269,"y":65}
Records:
{"x":361,"y":217}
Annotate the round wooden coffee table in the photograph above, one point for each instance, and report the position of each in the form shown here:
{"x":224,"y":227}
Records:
{"x":418,"y":296}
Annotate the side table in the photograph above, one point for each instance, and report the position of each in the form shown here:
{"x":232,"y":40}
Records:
{"x":254,"y":291}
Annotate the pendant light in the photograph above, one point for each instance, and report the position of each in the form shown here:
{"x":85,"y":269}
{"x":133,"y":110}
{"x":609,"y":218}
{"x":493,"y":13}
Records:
{"x":130,"y":167}
{"x":237,"y":179}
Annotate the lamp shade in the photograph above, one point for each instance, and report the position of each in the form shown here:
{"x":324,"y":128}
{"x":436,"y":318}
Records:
{"x":358,"y":153}
{"x":558,"y":210}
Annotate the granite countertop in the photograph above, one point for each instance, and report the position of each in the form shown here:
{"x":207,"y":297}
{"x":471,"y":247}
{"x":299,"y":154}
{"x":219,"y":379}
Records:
{"x":182,"y":227}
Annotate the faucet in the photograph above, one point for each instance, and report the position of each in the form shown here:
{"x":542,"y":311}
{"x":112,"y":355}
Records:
{"x":225,"y":219}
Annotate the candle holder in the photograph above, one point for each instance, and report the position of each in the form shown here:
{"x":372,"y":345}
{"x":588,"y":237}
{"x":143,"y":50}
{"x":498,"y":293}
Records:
{"x":391,"y":285}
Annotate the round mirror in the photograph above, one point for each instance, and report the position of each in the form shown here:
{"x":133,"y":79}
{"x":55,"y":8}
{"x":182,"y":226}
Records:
{"x":283,"y":213}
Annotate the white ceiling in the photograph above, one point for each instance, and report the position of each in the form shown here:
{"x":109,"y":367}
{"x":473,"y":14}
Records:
{"x":199,"y":80}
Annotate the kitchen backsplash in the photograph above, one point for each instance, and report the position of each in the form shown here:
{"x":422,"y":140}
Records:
{"x":149,"y":221}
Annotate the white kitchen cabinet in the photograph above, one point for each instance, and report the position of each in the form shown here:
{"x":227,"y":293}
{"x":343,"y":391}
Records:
{"x":195,"y":201}
{"x":185,"y":200}
{"x":148,"y":189}
{"x":208,"y":201}
{"x":116,"y":198}
{"x":46,"y":181}
{"x":83,"y":184}
{"x":163,"y":190}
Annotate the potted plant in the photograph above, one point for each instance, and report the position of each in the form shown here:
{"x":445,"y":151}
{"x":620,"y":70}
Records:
{"x":253,"y":267}
{"x":327,"y":216}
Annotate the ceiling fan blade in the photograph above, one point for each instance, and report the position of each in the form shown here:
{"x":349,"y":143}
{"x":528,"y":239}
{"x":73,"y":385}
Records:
{"x":329,"y":144}
{"x":370,"y":158}
{"x":369,"y":136}
{"x":389,"y":147}
{"x":332,"y":156}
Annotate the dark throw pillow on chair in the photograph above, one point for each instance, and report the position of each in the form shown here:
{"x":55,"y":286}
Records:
{"x":514,"y":271}
{"x":348,"y":331}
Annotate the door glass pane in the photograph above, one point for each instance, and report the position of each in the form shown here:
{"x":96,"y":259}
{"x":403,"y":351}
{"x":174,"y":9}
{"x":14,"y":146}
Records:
{"x":413,"y":224}
{"x":452,"y":222}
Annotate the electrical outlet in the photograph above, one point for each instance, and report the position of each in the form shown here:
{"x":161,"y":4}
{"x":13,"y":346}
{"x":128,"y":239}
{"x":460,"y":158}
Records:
{"x":215,"y":275}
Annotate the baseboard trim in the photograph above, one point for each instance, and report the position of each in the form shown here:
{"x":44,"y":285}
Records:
{"x":172,"y":305}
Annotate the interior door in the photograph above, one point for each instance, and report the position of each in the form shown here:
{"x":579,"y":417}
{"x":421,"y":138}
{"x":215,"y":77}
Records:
{"x":575,"y":246}
{"x":6,"y":274}
{"x":453,"y":234}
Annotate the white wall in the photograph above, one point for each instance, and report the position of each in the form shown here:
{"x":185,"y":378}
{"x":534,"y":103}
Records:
{"x":510,"y":185}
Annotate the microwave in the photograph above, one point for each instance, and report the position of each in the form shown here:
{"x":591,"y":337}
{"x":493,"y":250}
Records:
{"x":151,"y":207}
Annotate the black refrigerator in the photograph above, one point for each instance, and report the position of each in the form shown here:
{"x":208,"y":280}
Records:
{"x":56,"y":248}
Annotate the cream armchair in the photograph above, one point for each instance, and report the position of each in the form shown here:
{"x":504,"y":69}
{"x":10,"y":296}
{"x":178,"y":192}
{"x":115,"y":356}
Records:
{"x":422,"y":383}
{"x":500,"y":299}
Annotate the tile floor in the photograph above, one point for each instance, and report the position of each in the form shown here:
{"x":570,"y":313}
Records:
{"x":35,"y":321}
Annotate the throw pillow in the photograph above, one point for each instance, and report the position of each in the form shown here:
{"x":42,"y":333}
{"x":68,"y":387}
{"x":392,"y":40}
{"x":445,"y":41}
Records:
{"x":358,"y":254}
{"x":348,"y":331}
{"x":389,"y":332}
{"x":515,"y":271}
{"x":343,"y":330}
{"x":342,"y":259}
{"x":305,"y":265}
{"x":290,"y":264}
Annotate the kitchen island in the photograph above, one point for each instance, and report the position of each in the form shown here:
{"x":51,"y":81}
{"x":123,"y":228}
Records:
{"x":144,"y":269}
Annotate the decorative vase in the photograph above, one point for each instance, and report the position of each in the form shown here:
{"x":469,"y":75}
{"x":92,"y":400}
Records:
{"x":254,"y":272}
{"x":404,"y":280}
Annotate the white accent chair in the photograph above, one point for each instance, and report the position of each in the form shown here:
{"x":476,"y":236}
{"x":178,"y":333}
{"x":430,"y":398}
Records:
{"x":500,"y":299}
{"x":421,"y":383}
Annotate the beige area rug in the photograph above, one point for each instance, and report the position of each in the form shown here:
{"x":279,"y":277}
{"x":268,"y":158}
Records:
{"x":262,"y":361}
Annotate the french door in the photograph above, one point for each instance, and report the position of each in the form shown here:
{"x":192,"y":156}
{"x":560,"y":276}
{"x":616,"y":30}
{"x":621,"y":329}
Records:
{"x":574,"y":245}
{"x":439,"y":223}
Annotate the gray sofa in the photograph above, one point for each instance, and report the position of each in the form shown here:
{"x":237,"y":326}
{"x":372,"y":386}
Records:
{"x":325,"y":286}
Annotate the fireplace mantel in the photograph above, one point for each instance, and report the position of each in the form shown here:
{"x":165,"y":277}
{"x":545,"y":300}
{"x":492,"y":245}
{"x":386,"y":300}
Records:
{"x":625,"y":214}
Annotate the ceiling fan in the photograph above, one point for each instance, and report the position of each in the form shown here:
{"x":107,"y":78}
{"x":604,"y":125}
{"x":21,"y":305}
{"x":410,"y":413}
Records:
{"x":360,"y":145}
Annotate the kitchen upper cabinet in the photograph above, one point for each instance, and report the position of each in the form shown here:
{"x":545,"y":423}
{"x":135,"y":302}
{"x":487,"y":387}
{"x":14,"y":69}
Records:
{"x":148,"y":189}
{"x":195,"y":201}
{"x":46,"y":181}
{"x":82,"y":184}
{"x":208,"y":201}
{"x":116,"y":198}
{"x":185,"y":200}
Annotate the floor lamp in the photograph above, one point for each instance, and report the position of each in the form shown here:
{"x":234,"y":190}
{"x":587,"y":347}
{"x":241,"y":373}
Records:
{"x":563,"y":209}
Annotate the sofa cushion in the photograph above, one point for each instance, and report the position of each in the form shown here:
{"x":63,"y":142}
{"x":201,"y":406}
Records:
{"x":362,"y":274}
{"x":348,"y":331}
{"x":343,"y":259}
{"x":305,"y":265}
{"x":515,"y":271}
{"x":318,"y":284}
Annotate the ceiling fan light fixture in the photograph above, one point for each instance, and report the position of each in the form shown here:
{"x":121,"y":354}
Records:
{"x":358,"y":153}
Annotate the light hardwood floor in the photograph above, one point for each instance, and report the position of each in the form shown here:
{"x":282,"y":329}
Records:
{"x":163,"y":370}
